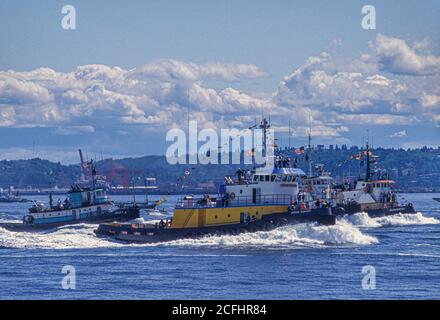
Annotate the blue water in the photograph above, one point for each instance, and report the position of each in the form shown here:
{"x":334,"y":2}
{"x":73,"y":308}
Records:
{"x":295,"y":262}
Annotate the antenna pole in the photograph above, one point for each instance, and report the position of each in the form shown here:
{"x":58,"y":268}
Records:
{"x":264,"y":125}
{"x":310,"y":146}
{"x":133,"y":187}
{"x":368,"y":173}
{"x":290,"y":133}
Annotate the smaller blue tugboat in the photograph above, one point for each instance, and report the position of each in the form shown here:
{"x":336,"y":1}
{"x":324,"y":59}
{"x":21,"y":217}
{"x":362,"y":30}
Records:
{"x":82,"y":205}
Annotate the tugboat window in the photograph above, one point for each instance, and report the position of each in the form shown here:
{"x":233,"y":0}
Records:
{"x":273,"y":178}
{"x":261,"y":178}
{"x":255,"y":178}
{"x":289,"y":178}
{"x":267,"y":178}
{"x":278,"y":179}
{"x":284,"y":178}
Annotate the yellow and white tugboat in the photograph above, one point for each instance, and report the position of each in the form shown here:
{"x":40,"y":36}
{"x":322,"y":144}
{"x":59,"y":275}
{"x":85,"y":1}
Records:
{"x":252,"y":201}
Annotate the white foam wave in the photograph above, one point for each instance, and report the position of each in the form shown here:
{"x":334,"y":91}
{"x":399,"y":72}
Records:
{"x":311,"y":235}
{"x":68,"y":237}
{"x":10,"y":220}
{"x":362,"y":219}
{"x":156,"y":213}
{"x":406,"y":219}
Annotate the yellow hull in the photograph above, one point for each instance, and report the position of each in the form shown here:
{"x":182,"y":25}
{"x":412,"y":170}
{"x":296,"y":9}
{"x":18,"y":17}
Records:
{"x":212,"y":216}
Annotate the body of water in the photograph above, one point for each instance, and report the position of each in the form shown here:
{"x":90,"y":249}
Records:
{"x":304,"y":261}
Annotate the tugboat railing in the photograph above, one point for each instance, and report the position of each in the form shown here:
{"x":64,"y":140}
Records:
{"x":275,"y":199}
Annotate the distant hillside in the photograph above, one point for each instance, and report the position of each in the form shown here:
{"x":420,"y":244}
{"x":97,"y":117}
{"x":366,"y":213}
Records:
{"x":414,"y":170}
{"x":36,"y":173}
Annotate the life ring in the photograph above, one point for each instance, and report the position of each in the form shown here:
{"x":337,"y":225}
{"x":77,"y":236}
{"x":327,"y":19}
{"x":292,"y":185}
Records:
{"x":232,"y":196}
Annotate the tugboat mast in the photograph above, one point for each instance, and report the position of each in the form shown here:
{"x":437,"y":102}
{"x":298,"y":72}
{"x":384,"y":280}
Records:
{"x":368,"y":173}
{"x":264,"y":125}
{"x":290,"y":134}
{"x":310,"y":148}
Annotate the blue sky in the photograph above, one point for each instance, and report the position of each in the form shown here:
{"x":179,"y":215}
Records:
{"x":231,"y":57}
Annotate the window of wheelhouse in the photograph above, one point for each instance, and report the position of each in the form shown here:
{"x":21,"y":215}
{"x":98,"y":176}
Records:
{"x":272,"y":177}
{"x":267,"y":178}
{"x":261,"y":178}
{"x":289,"y":178}
{"x":255,"y":178}
{"x":284,"y":178}
{"x":278,"y":178}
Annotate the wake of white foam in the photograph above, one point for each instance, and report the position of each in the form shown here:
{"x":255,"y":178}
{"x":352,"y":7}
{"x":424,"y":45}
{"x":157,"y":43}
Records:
{"x":82,"y":236}
{"x":68,"y":237}
{"x":300,"y":235}
{"x":344,"y":232}
{"x":10,"y":220}
{"x":156,"y":213}
{"x":406,"y":219}
{"x":362,"y":219}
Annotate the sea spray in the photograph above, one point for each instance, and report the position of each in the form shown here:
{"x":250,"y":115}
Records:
{"x":344,"y":232}
{"x":362,"y":219}
{"x":158,"y":213}
{"x":307,"y":234}
{"x":300,"y":235}
{"x":67,"y":237}
{"x":406,"y":219}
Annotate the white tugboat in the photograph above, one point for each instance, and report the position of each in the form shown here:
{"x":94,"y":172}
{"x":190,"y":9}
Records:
{"x":374,"y":196}
{"x":320,"y":184}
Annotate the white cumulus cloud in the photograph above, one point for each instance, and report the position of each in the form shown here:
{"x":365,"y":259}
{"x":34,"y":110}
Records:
{"x":396,"y":56}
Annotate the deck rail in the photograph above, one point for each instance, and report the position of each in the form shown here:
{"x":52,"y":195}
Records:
{"x":204,"y":202}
